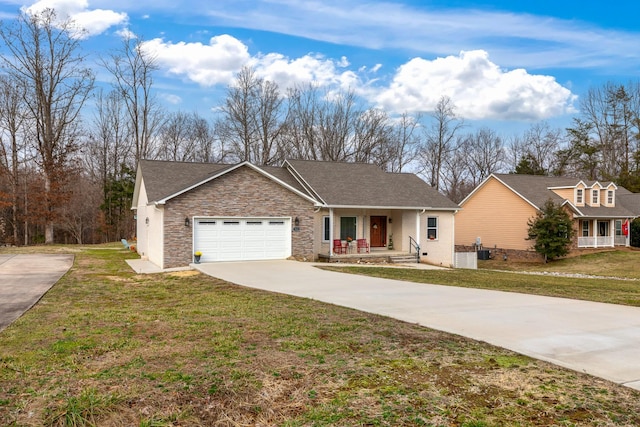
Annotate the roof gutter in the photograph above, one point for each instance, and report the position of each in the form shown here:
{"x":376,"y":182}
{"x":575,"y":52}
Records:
{"x":390,"y":207}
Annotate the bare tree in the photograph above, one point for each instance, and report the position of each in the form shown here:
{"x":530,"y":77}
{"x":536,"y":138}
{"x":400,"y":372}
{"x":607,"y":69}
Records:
{"x":108,"y":162}
{"x":371,"y":138}
{"x":132,"y":69}
{"x":484,"y":154}
{"x":110,"y":144}
{"x":13,"y":115}
{"x":43,"y":56}
{"x":251,"y":118}
{"x":540,"y":146}
{"x":456,"y":181}
{"x":187,"y":137}
{"x":404,"y":142}
{"x":440,"y":137}
{"x":300,"y":136}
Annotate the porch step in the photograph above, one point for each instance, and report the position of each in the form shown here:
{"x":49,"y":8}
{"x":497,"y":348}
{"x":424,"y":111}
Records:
{"x":403,"y":259}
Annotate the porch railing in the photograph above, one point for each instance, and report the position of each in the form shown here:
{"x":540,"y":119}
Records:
{"x":414,"y":245}
{"x":620,"y":240}
{"x":595,"y":241}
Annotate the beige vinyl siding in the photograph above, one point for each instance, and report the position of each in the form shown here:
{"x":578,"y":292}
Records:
{"x":566,"y":193}
{"x":495,"y":214}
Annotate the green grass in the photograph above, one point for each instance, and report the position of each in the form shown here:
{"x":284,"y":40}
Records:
{"x":604,"y":289}
{"x":607,"y":263}
{"x":107,"y":347}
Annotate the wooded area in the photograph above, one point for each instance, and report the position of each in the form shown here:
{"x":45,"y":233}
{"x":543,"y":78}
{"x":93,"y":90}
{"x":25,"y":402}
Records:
{"x":67,"y":166}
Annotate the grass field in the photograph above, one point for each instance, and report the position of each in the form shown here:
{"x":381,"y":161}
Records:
{"x":107,"y":347}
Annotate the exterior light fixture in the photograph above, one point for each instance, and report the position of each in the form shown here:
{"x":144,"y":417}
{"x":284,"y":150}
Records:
{"x":146,"y":221}
{"x":187,"y":223}
{"x":296,"y":222}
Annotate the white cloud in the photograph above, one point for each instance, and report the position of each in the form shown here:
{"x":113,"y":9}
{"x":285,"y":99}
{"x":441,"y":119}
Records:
{"x":207,"y":65}
{"x":310,"y":68}
{"x":478,"y":88}
{"x":94,"y":21}
{"x":171,"y":98}
{"x":219,"y":61}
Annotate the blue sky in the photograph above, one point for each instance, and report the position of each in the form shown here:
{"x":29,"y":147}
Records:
{"x":503,"y":63}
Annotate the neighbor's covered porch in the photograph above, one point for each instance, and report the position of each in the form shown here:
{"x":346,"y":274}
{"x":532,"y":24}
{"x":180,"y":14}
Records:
{"x":601,"y":233}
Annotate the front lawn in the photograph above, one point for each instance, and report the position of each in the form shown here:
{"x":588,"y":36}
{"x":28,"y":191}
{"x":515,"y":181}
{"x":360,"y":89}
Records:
{"x":108,"y":347}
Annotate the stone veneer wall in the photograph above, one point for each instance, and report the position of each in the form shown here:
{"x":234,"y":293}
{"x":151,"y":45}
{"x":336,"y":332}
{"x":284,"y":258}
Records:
{"x":240,"y":193}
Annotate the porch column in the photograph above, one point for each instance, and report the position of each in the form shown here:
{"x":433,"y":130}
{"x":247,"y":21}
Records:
{"x":612,"y":232}
{"x":330,"y":232}
{"x":418,"y":227}
{"x":595,"y":233}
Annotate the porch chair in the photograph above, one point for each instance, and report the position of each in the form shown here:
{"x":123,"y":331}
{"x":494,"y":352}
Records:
{"x":338,"y":248}
{"x":363,"y":245}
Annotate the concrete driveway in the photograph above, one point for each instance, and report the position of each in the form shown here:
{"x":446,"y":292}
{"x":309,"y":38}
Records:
{"x":24,"y":279}
{"x":600,"y":339}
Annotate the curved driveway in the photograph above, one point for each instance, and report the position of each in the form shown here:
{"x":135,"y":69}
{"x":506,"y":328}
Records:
{"x":599,"y":339}
{"x":24,"y":279}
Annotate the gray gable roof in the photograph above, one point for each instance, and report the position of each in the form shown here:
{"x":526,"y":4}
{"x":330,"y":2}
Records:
{"x":366,"y":185}
{"x":535,"y":188}
{"x":164,"y":178}
{"x":330,"y":183}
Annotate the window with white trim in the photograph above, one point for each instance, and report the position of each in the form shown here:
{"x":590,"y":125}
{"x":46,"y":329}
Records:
{"x":610,"y":197}
{"x":618,"y":227}
{"x":594,"y":197}
{"x":432,"y":228}
{"x":585,"y":228}
{"x":579,"y":196}
{"x":325,"y":228}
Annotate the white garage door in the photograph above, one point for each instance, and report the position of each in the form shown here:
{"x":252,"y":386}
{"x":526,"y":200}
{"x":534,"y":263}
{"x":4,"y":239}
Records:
{"x":242,"y":239}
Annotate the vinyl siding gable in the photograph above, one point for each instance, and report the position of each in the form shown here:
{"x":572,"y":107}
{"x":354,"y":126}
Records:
{"x":495,"y":214}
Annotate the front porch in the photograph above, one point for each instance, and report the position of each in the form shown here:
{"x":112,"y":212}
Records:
{"x":602,"y":233}
{"x":375,"y":256}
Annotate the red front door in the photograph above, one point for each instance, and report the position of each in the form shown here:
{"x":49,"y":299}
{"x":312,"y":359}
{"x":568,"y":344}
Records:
{"x":378,"y":231}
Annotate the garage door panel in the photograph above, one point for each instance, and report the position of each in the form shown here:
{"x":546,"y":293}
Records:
{"x":231,"y":239}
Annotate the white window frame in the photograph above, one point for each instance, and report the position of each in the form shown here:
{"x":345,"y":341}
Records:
{"x":433,"y":228}
{"x":595,"y":197}
{"x":610,"y":198}
{"x":617,"y":225}
{"x":579,"y":196}
{"x":326,"y":223}
{"x":585,"y":230}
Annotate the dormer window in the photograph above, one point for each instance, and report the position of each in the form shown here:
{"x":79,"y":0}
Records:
{"x":579,"y":196}
{"x":595,"y":197}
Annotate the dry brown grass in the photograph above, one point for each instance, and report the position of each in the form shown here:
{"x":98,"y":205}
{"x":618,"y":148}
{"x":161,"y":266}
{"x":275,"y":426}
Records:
{"x":109,"y":347}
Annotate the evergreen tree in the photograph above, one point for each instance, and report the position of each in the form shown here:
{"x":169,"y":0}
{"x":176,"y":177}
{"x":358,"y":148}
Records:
{"x":552,"y":231}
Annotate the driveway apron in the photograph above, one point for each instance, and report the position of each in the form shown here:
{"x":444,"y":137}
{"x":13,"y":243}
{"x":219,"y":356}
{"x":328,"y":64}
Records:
{"x":599,"y":339}
{"x":24,"y":279}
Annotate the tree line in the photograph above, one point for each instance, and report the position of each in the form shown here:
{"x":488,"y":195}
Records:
{"x":69,"y":149}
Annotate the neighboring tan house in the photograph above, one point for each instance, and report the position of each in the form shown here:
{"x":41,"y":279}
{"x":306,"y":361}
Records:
{"x":248,"y":212}
{"x":496,"y":213}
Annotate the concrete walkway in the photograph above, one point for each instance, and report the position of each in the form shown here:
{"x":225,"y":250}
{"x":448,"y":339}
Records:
{"x":24,"y":279}
{"x":600,"y":339}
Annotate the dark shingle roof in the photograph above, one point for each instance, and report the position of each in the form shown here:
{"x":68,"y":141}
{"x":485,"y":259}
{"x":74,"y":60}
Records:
{"x":360,"y":184}
{"x":337,"y":184}
{"x":535,"y":188}
{"x":631,"y":201}
{"x":163,"y":178}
